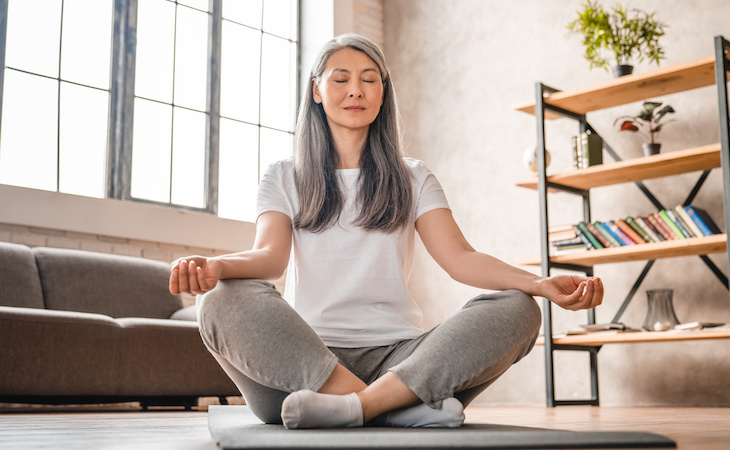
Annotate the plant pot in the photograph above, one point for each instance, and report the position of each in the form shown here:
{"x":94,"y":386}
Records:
{"x":619,"y":71}
{"x":651,"y":149}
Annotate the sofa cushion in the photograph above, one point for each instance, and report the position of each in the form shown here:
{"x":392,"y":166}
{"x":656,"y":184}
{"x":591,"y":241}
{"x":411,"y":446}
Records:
{"x":114,"y":285}
{"x":19,"y":279}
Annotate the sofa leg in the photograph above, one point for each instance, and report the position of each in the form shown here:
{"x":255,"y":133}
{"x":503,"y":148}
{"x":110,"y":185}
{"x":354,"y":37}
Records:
{"x":223,"y":400}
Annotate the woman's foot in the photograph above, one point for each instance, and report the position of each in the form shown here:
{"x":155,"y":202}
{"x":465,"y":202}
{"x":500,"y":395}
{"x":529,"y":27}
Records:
{"x":451,"y":415}
{"x":308,"y":409}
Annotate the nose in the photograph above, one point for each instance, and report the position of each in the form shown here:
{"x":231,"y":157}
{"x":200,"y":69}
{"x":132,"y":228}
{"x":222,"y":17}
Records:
{"x":355,"y":90}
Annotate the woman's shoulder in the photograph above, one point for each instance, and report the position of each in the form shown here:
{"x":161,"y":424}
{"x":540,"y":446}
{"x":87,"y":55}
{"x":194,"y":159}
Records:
{"x":419,"y":170}
{"x":281,"y":169}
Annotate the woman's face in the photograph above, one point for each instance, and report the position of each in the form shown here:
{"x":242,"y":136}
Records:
{"x":350,"y":90}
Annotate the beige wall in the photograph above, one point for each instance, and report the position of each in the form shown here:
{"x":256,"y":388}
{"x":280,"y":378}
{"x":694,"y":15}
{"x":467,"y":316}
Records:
{"x":459,"y":67}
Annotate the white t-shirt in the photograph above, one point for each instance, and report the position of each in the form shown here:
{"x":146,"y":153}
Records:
{"x":349,"y":284}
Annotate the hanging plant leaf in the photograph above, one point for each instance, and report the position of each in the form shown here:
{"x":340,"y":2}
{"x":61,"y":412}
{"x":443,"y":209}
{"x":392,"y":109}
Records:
{"x":666,"y":110}
{"x":628,"y":126}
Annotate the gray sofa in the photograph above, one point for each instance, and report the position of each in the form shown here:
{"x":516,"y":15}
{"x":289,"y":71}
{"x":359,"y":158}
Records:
{"x":83,"y":327}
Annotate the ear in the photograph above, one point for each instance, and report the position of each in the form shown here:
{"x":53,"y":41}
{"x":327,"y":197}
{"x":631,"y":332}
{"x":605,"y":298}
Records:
{"x":315,"y":93}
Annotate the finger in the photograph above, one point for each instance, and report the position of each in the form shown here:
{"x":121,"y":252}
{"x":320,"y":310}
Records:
{"x":174,"y":280}
{"x":205,"y":286}
{"x":183,"y":277}
{"x":599,"y":292}
{"x":193,"y":278}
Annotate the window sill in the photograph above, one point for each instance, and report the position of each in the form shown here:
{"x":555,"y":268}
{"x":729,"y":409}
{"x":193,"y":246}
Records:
{"x":122,"y":219}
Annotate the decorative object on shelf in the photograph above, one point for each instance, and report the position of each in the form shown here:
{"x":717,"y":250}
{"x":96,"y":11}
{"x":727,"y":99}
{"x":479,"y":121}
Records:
{"x":587,"y":150}
{"x":647,"y":122}
{"x":625,"y":33}
{"x":530,"y":158}
{"x":660,"y":315}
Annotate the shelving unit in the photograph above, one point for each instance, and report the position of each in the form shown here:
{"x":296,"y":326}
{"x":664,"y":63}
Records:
{"x":552,"y":104}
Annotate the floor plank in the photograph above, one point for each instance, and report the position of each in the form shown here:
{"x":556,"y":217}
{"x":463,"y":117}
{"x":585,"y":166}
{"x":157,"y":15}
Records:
{"x":130,"y":428}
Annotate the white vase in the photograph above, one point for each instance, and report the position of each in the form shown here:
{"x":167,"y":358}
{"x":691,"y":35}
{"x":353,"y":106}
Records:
{"x":529,"y":158}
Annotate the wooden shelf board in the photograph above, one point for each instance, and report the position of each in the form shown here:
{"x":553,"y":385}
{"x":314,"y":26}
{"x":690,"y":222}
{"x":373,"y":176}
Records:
{"x":716,"y":243}
{"x":664,"y":164}
{"x":601,"y":338}
{"x":631,"y":88}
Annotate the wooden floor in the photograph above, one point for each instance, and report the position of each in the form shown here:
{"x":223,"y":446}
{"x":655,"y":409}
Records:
{"x":127,"y":427}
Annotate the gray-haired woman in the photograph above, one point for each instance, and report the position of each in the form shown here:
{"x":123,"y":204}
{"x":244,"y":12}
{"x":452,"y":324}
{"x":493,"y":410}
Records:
{"x":345,"y":346}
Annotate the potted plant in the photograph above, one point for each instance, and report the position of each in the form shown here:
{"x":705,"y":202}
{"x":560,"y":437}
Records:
{"x":648,"y":122}
{"x":627,"y":34}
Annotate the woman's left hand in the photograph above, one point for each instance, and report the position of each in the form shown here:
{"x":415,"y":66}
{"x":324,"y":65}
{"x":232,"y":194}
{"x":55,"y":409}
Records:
{"x":572,"y":292}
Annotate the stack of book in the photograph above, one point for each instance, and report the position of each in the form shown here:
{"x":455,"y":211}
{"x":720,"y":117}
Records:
{"x":681,"y":222}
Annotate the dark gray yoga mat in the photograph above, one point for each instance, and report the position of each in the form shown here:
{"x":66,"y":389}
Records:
{"x":235,"y":427}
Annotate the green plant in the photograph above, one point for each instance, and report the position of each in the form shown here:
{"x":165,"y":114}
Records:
{"x":647,"y":121}
{"x":625,"y":33}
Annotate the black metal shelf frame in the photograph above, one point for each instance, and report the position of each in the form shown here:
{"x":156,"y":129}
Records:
{"x":722,"y":66}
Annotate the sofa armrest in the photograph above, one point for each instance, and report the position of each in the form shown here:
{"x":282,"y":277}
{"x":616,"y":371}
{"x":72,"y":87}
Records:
{"x":48,"y":352}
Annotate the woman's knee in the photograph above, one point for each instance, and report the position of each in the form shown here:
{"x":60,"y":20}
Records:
{"x":515,"y":307}
{"x":231,"y":302}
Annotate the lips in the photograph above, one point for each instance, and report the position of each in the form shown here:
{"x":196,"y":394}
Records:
{"x":355,"y":108}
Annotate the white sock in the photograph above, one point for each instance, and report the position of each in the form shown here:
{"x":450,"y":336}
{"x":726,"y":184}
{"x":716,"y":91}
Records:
{"x":451,"y":415}
{"x":308,"y":409}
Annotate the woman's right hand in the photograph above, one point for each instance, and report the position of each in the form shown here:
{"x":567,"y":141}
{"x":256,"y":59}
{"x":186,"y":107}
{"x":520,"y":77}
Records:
{"x":194,"y":275}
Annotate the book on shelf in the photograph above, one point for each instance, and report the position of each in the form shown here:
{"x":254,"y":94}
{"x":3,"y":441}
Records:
{"x":667,"y":224}
{"x":592,"y":239}
{"x":680,"y":223}
{"x":561,"y":232}
{"x":671,"y":224}
{"x":659,"y":225}
{"x":703,"y":220}
{"x":648,"y":229}
{"x":633,"y":235}
{"x":622,"y":237}
{"x":606,"y":234}
{"x":587,"y":150}
{"x":634,"y":224}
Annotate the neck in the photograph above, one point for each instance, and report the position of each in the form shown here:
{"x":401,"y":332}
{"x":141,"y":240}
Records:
{"x":349,"y":145}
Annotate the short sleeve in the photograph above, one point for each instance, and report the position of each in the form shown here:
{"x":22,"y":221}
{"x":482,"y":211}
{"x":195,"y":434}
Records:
{"x":429,"y":193}
{"x":272,"y":191}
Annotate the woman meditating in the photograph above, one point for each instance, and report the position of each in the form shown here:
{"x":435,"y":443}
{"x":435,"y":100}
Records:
{"x":345,"y":346}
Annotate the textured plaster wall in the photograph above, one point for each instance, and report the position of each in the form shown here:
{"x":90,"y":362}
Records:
{"x":459,"y":67}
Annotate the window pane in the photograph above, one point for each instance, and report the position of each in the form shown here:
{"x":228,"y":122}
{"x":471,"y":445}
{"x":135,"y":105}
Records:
{"x":83,"y":137}
{"x":275,"y":146}
{"x":151,"y":150}
{"x":155,"y":49}
{"x":86,"y":47}
{"x":238,"y":172}
{"x":246,"y":12}
{"x":29,"y":131}
{"x":199,"y":4}
{"x":280,"y":18}
{"x":240,"y":60}
{"x":188,"y":158}
{"x":33,"y":36}
{"x":277,"y":83}
{"x":191,"y":58}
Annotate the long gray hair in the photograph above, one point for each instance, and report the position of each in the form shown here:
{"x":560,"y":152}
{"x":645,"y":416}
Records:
{"x":385,"y":194}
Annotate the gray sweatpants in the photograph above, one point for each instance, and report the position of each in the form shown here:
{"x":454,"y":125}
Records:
{"x":268,"y":350}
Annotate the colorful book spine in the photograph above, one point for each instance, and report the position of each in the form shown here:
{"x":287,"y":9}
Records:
{"x":630,"y":221}
{"x":623,"y":237}
{"x":697,"y":219}
{"x":670,"y":223}
{"x":678,"y":222}
{"x":596,"y":243}
{"x":687,"y":221}
{"x":583,"y":236}
{"x":564,"y":242}
{"x":648,"y":230}
{"x":594,"y":231}
{"x":606,"y":234}
{"x":633,"y":235}
{"x":661,"y":227}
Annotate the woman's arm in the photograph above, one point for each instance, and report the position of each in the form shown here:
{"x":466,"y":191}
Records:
{"x":266,"y":261}
{"x":448,"y":247}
